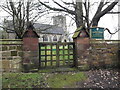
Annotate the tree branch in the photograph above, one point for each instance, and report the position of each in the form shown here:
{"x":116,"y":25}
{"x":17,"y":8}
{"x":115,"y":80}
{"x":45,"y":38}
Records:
{"x":72,"y":3}
{"x":99,"y":7}
{"x":68,"y":10}
{"x":57,"y":9}
{"x":3,"y":7}
{"x":109,"y":8}
{"x":6,"y":28}
{"x":111,"y":32}
{"x":113,"y":13}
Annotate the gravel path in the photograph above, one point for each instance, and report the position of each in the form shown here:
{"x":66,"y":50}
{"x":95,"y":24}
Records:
{"x":101,"y":79}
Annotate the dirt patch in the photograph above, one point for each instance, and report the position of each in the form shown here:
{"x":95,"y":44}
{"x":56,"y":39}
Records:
{"x":101,"y":79}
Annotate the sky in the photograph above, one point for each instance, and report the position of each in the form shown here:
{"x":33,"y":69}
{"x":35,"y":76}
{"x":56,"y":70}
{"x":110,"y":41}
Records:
{"x":108,"y":21}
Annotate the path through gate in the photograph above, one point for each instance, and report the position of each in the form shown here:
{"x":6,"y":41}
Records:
{"x":56,"y":54}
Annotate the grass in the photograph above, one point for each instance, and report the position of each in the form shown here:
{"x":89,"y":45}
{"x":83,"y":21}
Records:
{"x":42,"y":80}
{"x":61,"y":80}
{"x":59,"y":69}
{"x":10,"y":41}
{"x":22,"y":80}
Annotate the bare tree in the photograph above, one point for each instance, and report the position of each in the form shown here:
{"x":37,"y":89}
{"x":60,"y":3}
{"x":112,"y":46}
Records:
{"x":101,"y":12}
{"x":77,"y":10}
{"x":21,"y":13}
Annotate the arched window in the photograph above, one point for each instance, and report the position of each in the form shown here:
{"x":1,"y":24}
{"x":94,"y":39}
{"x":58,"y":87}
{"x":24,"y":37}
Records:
{"x":45,"y":38}
{"x":55,"y":38}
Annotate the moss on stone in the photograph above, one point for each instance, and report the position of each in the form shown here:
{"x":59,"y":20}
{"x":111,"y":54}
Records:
{"x":12,"y":47}
{"x":6,"y":54}
{"x":13,"y":53}
{"x":4,"y":48}
{"x":9,"y":58}
{"x":20,"y":54}
{"x":19,"y":48}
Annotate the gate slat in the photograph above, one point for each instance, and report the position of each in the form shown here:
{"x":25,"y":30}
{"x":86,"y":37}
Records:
{"x":51,"y":55}
{"x":45,"y":55}
{"x":63,"y":54}
{"x":68,"y":54}
{"x":57,"y":54}
{"x":61,"y":57}
{"x":39,"y":55}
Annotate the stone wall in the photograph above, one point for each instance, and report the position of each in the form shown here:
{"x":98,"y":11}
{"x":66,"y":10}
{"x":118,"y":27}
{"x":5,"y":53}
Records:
{"x":89,"y":54}
{"x":100,"y":54}
{"x":104,"y":54}
{"x":11,"y":55}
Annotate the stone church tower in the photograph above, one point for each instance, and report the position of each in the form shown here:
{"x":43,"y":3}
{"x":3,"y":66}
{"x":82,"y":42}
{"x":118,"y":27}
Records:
{"x":60,"y":21}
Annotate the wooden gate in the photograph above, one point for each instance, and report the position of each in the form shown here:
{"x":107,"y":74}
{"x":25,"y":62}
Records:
{"x":56,"y":54}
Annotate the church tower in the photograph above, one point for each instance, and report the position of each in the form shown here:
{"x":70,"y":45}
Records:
{"x":60,"y":21}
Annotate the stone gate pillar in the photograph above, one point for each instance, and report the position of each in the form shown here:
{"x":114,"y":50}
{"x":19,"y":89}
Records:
{"x":82,"y":44}
{"x":30,"y":49}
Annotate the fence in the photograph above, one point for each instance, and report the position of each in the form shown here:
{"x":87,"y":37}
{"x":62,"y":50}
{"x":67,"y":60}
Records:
{"x":56,"y":54}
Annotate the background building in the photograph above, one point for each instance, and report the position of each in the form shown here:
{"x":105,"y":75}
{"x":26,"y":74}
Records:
{"x":48,"y":33}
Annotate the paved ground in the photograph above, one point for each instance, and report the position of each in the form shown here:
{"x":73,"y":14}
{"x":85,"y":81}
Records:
{"x":101,"y":79}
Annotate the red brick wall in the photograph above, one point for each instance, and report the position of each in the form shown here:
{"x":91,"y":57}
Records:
{"x":30,"y":44}
{"x":30,"y":50}
{"x":82,"y":45}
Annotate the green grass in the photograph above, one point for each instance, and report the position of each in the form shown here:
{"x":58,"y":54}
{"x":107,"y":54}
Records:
{"x":61,"y":80}
{"x":59,"y":69}
{"x":22,"y":80}
{"x":9,"y":41}
{"x":42,"y":80}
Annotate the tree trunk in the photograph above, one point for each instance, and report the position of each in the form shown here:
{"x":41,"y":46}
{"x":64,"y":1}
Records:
{"x":78,"y":14}
{"x":95,"y":22}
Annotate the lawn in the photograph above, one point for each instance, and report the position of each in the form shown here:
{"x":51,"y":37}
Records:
{"x":61,"y":80}
{"x":22,"y":80}
{"x":41,"y":80}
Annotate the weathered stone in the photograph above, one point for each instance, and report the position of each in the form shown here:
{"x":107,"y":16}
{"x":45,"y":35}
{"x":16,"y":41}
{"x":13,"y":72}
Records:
{"x":20,"y":53}
{"x":13,"y":53}
{"x":19,"y":47}
{"x":9,"y":58}
{"x":6,"y":54}
{"x":4,"y":58}
{"x":6,"y":65}
{"x":12,"y":47}
{"x":17,"y":58}
{"x":4,"y":48}
{"x":15,"y":64}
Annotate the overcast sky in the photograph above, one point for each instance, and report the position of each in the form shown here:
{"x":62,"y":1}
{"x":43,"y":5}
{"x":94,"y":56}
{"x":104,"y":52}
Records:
{"x":108,"y":21}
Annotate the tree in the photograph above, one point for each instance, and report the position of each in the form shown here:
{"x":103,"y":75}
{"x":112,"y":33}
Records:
{"x":21,"y":13}
{"x":101,"y":12}
{"x":77,"y":10}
